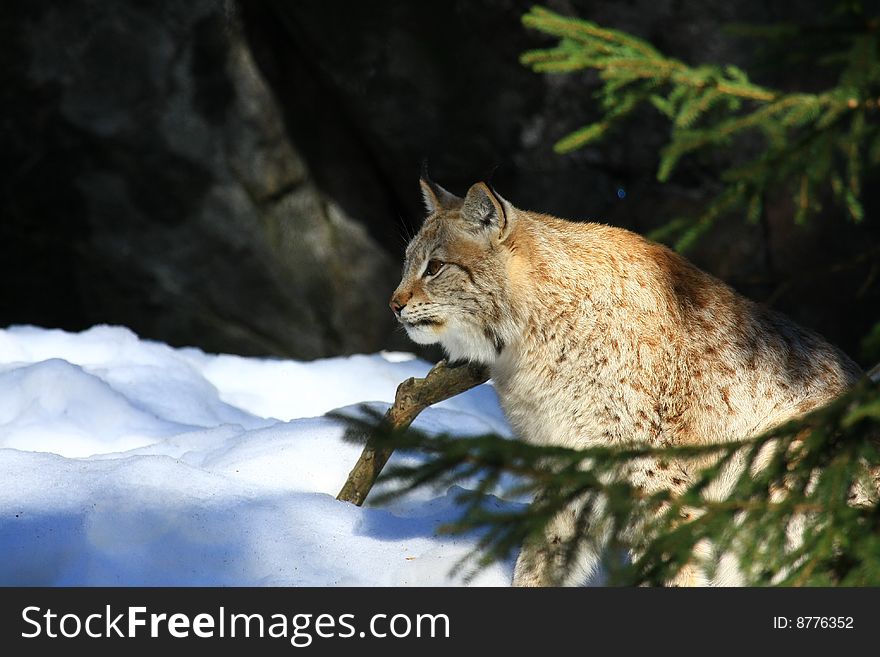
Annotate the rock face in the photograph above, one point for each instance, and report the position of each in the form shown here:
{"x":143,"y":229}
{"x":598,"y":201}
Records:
{"x":242,"y":176}
{"x":152,"y":183}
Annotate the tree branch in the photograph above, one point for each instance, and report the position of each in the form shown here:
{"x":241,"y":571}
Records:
{"x":412,"y":397}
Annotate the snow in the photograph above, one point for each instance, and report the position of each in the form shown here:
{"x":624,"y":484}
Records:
{"x":127,"y":462}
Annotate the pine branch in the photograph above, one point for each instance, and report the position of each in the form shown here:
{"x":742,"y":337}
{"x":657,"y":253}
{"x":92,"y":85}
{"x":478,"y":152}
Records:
{"x":812,"y":140}
{"x":821,"y":471}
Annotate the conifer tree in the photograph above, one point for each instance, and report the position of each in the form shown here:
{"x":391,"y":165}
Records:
{"x":810,"y":140}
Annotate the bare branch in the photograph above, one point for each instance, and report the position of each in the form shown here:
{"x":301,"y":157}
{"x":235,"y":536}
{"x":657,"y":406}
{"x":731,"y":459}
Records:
{"x":412,"y":397}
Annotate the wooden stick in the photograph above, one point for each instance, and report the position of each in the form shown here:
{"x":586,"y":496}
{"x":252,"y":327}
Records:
{"x":412,"y":397}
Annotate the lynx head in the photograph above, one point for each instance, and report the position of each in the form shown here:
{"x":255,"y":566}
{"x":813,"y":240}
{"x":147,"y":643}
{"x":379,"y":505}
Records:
{"x":455,"y":289}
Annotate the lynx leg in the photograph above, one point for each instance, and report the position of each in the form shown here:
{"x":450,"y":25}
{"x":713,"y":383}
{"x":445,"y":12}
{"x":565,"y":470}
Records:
{"x":652,"y":475}
{"x":541,"y":561}
{"x":694,"y":572}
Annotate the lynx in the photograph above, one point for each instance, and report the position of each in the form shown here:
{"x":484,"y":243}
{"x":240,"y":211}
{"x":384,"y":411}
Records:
{"x":595,"y":335}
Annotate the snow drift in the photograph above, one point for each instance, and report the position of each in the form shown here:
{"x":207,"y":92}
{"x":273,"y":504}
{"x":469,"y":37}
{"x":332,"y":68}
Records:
{"x":128,"y":462}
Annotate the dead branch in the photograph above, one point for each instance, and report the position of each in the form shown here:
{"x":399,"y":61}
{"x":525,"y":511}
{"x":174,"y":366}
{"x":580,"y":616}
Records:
{"x":412,"y":397}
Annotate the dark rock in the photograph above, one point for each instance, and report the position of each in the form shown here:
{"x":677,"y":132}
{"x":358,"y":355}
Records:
{"x":152,"y":184}
{"x":151,"y":179}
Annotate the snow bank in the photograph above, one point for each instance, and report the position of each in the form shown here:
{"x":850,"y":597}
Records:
{"x":127,"y":462}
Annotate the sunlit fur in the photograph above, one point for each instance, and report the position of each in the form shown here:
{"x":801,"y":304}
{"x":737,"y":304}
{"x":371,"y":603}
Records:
{"x":596,"y":336}
{"x":469,"y":298}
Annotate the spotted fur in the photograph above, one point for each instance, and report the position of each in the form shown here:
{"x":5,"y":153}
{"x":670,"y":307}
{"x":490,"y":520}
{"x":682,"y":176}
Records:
{"x":596,"y":336}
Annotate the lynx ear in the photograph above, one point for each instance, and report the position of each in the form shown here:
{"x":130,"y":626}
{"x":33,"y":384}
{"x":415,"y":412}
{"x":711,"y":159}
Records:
{"x":486,"y":210}
{"x":434,"y":196}
{"x":437,"y":198}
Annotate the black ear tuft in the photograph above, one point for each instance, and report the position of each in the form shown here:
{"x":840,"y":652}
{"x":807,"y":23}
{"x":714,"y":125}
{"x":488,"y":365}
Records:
{"x":434,"y":196}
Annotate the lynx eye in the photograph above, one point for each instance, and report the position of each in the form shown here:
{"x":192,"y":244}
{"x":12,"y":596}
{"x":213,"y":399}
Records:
{"x":434,"y":267}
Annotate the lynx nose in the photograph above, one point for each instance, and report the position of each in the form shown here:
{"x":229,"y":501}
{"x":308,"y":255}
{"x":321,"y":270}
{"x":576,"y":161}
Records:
{"x":398,"y":302}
